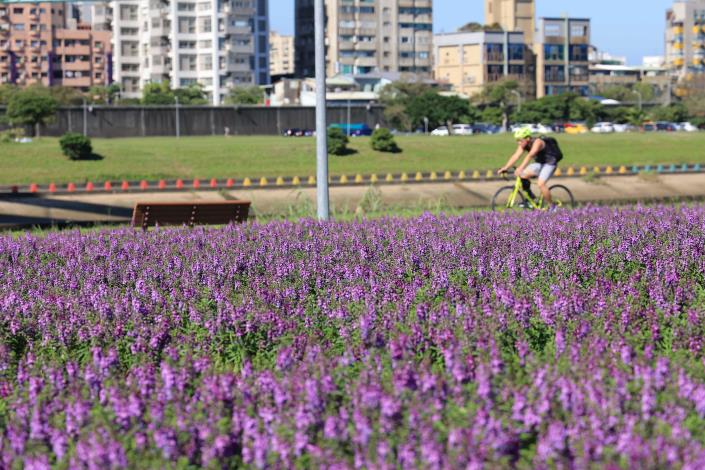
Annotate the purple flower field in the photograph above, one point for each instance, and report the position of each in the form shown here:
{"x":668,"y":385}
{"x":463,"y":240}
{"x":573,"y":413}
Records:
{"x":530,"y":340}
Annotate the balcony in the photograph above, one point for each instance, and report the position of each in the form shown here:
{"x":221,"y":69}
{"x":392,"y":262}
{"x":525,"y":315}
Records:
{"x":76,"y":66}
{"x":554,"y":78}
{"x":494,"y":57}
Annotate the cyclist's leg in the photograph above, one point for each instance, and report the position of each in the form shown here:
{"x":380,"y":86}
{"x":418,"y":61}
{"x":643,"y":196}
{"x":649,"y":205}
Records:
{"x":545,"y":174}
{"x":529,"y":172}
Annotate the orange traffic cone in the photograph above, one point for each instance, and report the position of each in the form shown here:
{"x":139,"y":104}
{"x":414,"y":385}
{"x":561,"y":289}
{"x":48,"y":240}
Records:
{"x":125,"y":185}
{"x":89,"y":186}
{"x":71,"y":187}
{"x":108,"y":186}
{"x":162,"y":184}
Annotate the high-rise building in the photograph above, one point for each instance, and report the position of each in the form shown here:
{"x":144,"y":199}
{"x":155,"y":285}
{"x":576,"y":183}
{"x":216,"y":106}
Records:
{"x":470,"y":61}
{"x":281,"y":54}
{"x":366,"y":36}
{"x":512,"y":15}
{"x":47,"y":43}
{"x":219,"y":44}
{"x":562,"y":50}
{"x":685,"y":38}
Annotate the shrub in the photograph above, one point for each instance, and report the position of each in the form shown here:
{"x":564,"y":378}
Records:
{"x":11,"y":135}
{"x":76,"y":146}
{"x":383,"y":141}
{"x":337,"y":142}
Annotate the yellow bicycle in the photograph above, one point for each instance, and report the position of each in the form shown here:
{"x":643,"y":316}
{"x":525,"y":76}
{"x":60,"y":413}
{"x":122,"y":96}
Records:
{"x":508,"y":198}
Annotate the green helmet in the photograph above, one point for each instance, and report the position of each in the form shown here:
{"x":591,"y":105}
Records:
{"x":522,"y":133}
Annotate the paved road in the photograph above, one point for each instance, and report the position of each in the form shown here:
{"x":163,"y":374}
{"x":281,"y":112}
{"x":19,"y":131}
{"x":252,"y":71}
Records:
{"x":30,"y":210}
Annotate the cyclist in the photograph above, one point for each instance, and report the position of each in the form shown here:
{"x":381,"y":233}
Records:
{"x":547,"y":154}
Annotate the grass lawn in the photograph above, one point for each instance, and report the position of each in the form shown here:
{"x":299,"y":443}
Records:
{"x":238,"y":157}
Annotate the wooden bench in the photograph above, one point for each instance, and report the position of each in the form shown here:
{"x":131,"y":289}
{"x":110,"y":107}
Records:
{"x":189,"y":213}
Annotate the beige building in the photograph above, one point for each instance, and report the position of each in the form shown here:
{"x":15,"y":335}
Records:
{"x":44,"y":43}
{"x":685,"y":38}
{"x":470,"y":61}
{"x":281,"y":54}
{"x":512,"y":15}
{"x":368,"y":36}
{"x":562,"y":56}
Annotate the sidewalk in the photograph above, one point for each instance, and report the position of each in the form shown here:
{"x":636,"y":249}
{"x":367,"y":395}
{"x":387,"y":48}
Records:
{"x":32,"y":209}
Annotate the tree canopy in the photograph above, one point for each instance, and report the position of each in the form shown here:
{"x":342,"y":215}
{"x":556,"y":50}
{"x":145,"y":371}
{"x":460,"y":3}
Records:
{"x":31,"y":107}
{"x":245,"y":95}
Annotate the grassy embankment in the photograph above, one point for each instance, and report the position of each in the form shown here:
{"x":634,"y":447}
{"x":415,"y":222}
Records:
{"x":238,"y":157}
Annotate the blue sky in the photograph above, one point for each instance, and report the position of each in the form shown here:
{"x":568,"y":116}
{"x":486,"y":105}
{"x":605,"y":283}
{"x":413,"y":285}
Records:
{"x":631,"y":28}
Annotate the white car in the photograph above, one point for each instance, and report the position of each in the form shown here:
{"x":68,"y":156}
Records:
{"x":620,"y":128}
{"x":687,"y":127}
{"x":534,"y":128}
{"x":443,"y":130}
{"x":603,"y":128}
{"x":462,"y":129}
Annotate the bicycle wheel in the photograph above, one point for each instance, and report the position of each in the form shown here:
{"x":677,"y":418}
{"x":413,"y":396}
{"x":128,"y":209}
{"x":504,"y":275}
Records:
{"x":501,"y":200}
{"x":562,"y":196}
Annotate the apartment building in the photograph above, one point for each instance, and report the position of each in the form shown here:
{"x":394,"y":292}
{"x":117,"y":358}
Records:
{"x":46,"y":43}
{"x":470,"y":61}
{"x":685,"y":38}
{"x":562,"y":63}
{"x":219,"y":44}
{"x":368,"y":36}
{"x":281,"y":54}
{"x":512,"y":15}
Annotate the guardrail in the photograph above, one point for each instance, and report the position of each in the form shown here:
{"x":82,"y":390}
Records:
{"x":338,"y":180}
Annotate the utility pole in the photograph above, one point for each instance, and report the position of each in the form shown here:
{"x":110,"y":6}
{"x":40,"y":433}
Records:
{"x":323,"y":210}
{"x":85,"y":119}
{"x":176,"y":108}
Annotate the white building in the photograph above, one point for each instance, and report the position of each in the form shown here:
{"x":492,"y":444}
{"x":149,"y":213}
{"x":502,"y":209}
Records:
{"x":219,"y":44}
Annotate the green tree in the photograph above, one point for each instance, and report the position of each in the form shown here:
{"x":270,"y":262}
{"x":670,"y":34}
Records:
{"x":440,"y":110}
{"x":395,"y":97}
{"x":6,"y":92}
{"x":104,"y":94}
{"x":193,"y":94}
{"x":677,"y":112}
{"x":66,"y":96}
{"x":158,"y":93}
{"x":245,"y":95}
{"x":501,"y":95}
{"x":31,"y":107}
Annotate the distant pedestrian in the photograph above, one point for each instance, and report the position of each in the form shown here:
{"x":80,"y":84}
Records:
{"x":227,"y":131}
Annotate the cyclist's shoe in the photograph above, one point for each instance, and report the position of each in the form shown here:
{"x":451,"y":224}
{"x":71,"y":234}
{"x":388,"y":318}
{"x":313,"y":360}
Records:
{"x":524,"y":205}
{"x":552,"y":208}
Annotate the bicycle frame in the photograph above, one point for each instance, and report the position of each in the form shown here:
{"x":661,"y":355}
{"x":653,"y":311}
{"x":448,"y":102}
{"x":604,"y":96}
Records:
{"x":518,"y":188}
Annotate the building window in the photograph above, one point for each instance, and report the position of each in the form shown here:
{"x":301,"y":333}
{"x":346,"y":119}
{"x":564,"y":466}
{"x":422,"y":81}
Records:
{"x":182,"y":6}
{"x":554,"y":73}
{"x":494,"y":52}
{"x":554,"y":52}
{"x":516,"y":70}
{"x":553,"y":30}
{"x":516,"y":52}
{"x":187,"y":62}
{"x":18,"y":11}
{"x":204,"y":24}
{"x":128,"y":12}
{"x":187,"y":24}
{"x":187,"y":44}
{"x":205,"y":61}
{"x":579,"y":53}
{"x":579,"y":72}
{"x":495,"y":72}
{"x":578,"y":31}
{"x":129,"y":31}
{"x":18,"y":27}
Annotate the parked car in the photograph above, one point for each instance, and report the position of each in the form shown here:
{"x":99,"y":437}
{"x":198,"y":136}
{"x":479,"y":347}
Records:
{"x":620,"y":128}
{"x":648,"y":127}
{"x":603,"y":128}
{"x":294,"y":132}
{"x":535,"y":128}
{"x":441,"y":131}
{"x":575,"y":128}
{"x":688,"y":127}
{"x":353,"y":129}
{"x":666,"y":126}
{"x":484,"y":128}
{"x":462,"y":129}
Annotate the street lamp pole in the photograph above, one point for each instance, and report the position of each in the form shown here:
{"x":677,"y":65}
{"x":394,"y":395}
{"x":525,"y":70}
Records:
{"x":176,"y":107}
{"x":518,"y":95}
{"x":85,"y":119}
{"x":638,"y":93}
{"x":323,"y":211}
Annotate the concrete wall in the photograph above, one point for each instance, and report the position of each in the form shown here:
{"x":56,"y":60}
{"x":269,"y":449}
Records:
{"x":133,"y":121}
